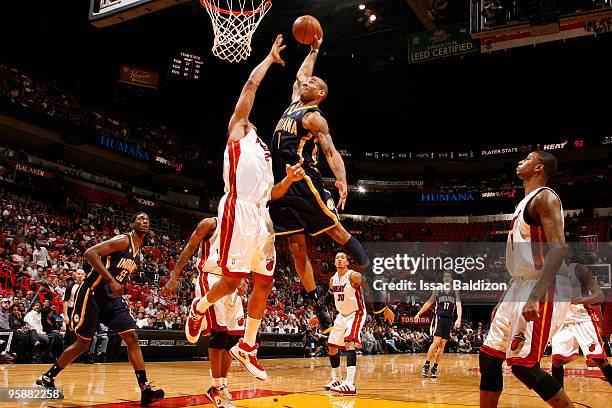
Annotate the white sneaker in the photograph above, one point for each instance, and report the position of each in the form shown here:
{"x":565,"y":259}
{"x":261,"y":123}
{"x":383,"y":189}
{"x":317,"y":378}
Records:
{"x":196,"y":322}
{"x":344,"y":389}
{"x":247,"y":356}
{"x":333,"y":383}
{"x":215,"y":396}
{"x":226,"y":392}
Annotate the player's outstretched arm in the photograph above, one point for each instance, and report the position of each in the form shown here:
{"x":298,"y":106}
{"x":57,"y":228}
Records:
{"x":306,"y":69}
{"x":239,"y":120}
{"x":317,"y":124}
{"x":93,"y":255}
{"x":584,"y":275}
{"x":427,"y":304}
{"x":547,"y":208}
{"x":202,"y":230}
{"x":294,"y":173}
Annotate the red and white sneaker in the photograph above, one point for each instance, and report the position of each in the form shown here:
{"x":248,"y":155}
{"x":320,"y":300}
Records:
{"x":344,"y":389}
{"x":216,"y":396}
{"x":195,"y":323}
{"x":333,"y":383}
{"x":227,"y":394}
{"x":247,"y":356}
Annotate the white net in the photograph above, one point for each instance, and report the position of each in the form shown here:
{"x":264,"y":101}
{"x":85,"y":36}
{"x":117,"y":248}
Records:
{"x":234,"y":23}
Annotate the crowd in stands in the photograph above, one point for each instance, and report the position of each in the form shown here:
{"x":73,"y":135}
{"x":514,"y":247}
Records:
{"x":57,"y":103}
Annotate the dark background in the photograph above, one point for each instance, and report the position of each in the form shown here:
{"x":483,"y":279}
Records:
{"x":530,"y":94}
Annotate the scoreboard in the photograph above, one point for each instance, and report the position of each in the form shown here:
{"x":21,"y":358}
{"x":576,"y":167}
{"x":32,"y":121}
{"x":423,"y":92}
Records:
{"x":186,"y":65}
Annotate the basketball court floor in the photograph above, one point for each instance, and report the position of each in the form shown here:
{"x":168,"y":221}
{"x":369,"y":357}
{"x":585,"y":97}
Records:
{"x":382,"y":381}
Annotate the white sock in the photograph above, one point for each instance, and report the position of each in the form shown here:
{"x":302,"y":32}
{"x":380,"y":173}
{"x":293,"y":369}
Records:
{"x":250,"y":331}
{"x":336,"y":373}
{"x":216,"y":382}
{"x":203,"y":304}
{"x":350,"y":374}
{"x":224,"y":381}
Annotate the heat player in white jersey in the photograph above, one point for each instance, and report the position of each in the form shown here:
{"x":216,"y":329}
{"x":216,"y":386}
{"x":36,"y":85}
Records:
{"x":582,"y":325}
{"x":246,"y":236}
{"x":225,"y":319}
{"x":534,"y":306}
{"x":346,"y":333}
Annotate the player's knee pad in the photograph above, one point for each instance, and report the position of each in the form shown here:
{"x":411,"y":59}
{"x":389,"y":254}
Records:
{"x":231,"y":342}
{"x":491,"y":376}
{"x":218,"y":340}
{"x":536,"y":379}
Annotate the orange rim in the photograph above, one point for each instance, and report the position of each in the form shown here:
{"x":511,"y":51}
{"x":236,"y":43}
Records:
{"x":261,"y":8}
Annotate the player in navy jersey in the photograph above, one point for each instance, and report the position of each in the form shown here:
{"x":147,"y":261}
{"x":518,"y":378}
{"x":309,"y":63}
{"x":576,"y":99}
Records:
{"x":99,"y":300}
{"x":447,"y":301}
{"x":307,"y":207}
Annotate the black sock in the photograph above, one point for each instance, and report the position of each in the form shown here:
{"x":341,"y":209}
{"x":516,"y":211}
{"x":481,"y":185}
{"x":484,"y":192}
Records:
{"x":427,"y":363}
{"x":351,"y":358}
{"x":54,"y":371}
{"x":141,"y":376}
{"x":335,"y":360}
{"x":435,"y":365}
{"x":607,"y":371}
{"x":558,"y":373}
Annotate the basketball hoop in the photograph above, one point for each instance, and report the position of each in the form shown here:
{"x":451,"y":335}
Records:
{"x":234,"y":23}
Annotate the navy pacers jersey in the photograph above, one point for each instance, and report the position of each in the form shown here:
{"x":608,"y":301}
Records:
{"x":292,"y":143}
{"x":120,"y":264}
{"x":446,"y":303}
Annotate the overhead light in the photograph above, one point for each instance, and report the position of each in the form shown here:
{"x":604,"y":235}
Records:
{"x":372,"y":17}
{"x":362,"y":7}
{"x":185,"y":191}
{"x":361,"y":189}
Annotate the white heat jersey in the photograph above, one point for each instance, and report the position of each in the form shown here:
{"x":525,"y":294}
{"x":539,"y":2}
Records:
{"x":526,"y":246}
{"x":247,"y":169}
{"x":346,"y":297}
{"x":577,"y":312}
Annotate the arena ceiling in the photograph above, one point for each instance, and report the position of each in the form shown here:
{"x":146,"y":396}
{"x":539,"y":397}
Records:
{"x":520,"y":95}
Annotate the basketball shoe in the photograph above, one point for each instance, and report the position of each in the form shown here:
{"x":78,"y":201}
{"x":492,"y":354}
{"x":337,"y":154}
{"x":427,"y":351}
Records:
{"x":247,"y":356}
{"x":333,"y":383}
{"x":218,"y":398}
{"x":195,"y":323}
{"x":344,"y":389}
{"x":434,"y":372}
{"x":49,"y":383}
{"x":148,"y":395}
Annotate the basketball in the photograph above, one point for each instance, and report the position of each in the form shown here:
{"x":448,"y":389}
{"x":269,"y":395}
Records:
{"x":313,"y":322}
{"x":305,"y":28}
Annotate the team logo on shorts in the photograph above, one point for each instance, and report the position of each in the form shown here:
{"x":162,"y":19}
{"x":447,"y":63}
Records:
{"x":76,"y":318}
{"x":330,"y":204}
{"x":517,"y":342}
{"x":592,"y":347}
{"x":270,"y":263}
{"x":241,"y":321}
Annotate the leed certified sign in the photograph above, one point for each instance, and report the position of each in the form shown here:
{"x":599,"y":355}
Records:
{"x":441,"y":43}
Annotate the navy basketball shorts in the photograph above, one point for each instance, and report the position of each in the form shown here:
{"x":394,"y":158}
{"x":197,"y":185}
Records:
{"x":307,"y":208}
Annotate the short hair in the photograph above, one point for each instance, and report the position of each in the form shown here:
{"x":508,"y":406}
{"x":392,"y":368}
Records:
{"x":549,"y":162}
{"x":323,"y":86}
{"x":137,"y":214}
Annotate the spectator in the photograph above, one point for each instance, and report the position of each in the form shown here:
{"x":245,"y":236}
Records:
{"x":52,"y":329}
{"x":21,"y":337}
{"x":464,"y":345}
{"x":33,"y":320}
{"x":178,"y":324}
